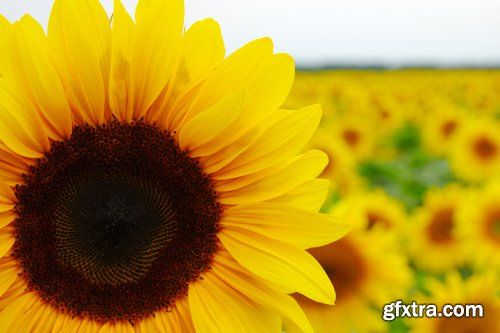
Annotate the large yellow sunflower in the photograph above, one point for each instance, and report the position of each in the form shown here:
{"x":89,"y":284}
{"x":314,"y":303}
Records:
{"x":147,"y":183}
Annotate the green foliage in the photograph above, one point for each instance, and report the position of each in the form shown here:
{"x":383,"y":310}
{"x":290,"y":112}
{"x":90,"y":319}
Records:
{"x":411,"y":173}
{"x":398,"y":326}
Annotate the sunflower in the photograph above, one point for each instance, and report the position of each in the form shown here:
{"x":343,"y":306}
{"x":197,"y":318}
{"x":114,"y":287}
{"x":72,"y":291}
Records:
{"x":440,"y":126}
{"x":480,"y":289}
{"x":372,"y":209}
{"x":367,"y":270}
{"x":149,"y":184}
{"x":475,"y":155}
{"x":387,"y":108}
{"x":432,"y":240}
{"x":341,"y":168}
{"x":355,"y":133}
{"x":479,"y":225}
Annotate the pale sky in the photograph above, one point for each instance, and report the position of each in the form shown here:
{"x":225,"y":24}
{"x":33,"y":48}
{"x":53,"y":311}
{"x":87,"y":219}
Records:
{"x":322,"y":32}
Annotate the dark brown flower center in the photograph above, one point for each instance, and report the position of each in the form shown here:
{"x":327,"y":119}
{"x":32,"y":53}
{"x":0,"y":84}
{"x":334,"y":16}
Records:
{"x":440,"y":226}
{"x":492,"y":225}
{"x":375,"y":218}
{"x":485,"y":148}
{"x":449,"y":128}
{"x":344,"y":266}
{"x":115,"y":222}
{"x":351,"y":137}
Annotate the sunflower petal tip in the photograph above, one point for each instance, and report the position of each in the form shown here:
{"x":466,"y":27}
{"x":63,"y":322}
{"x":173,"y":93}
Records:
{"x":264,"y":42}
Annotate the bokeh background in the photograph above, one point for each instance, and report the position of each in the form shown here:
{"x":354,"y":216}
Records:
{"x":411,"y":98}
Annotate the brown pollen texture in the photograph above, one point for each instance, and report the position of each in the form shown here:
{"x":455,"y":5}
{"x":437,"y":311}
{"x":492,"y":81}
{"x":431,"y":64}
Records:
{"x":115,"y":222}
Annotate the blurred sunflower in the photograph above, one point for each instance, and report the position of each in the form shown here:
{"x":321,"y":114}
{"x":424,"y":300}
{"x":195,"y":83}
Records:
{"x":341,"y":168}
{"x":355,"y":133}
{"x":475,"y":155}
{"x":478,"y":289}
{"x":372,"y":209}
{"x":387,"y":109}
{"x":367,"y":270}
{"x":440,"y":127}
{"x":149,"y":184}
{"x":432,"y":241}
{"x":348,"y":94}
{"x":479,"y":225}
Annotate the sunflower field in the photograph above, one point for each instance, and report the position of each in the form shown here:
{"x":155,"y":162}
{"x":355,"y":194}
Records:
{"x":414,"y":164}
{"x":151,"y":183}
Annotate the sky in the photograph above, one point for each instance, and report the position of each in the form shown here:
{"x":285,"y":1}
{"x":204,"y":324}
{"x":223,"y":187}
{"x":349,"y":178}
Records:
{"x":343,"y":32}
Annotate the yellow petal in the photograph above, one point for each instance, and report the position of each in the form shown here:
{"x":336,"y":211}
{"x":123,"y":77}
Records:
{"x":8,"y":273}
{"x":11,"y":316}
{"x":121,"y":327}
{"x":148,"y":324}
{"x":215,"y":161}
{"x":303,"y":168}
{"x":203,"y":48}
{"x":301,"y":228}
{"x":39,"y":318}
{"x":6,"y":240}
{"x":4,"y":207}
{"x":183,"y":315}
{"x":88,"y":326}
{"x":235,"y":276}
{"x":283,"y":140}
{"x":156,"y":51}
{"x":141,"y":9}
{"x":202,"y":134}
{"x":279,"y":262}
{"x":231,"y":143}
{"x":60,"y":324}
{"x":6,"y":218}
{"x":80,"y":35}
{"x":251,"y":68}
{"x":216,"y":307}
{"x":241,"y":182}
{"x":13,"y":161}
{"x":17,"y":289}
{"x":119,"y":81}
{"x":309,"y":196}
{"x":36,"y":75}
{"x":21,"y":129}
{"x":72,"y":325}
{"x":12,"y":166}
{"x":7,"y":197}
{"x":164,"y":321}
{"x":5,"y":31}
{"x":241,"y":137}
{"x":11,"y":178}
{"x":48,"y":319}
